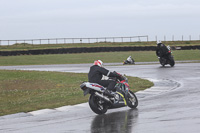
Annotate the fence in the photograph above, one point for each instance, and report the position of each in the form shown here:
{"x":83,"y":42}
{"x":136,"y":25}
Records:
{"x":75,"y":40}
{"x":180,"y":38}
{"x":145,"y":38}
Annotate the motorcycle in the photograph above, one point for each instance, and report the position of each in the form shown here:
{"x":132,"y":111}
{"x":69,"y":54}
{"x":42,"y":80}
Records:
{"x":129,"y":60}
{"x":167,"y":58}
{"x":100,"y":103}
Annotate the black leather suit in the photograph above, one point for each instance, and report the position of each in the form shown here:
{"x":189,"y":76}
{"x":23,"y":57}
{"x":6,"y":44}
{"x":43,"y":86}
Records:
{"x":161,"y":50}
{"x":96,"y":73}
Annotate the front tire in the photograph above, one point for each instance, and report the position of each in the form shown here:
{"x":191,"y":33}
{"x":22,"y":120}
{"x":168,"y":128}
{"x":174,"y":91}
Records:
{"x":97,"y":105}
{"x":132,"y":100}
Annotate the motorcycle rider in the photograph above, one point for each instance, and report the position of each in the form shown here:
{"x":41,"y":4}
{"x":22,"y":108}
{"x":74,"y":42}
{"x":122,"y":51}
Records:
{"x":130,"y":60}
{"x":161,"y":49}
{"x":96,"y":73}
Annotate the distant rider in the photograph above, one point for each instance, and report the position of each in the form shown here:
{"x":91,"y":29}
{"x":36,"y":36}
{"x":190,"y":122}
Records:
{"x":161,"y":49}
{"x":130,"y":60}
{"x":96,"y":73}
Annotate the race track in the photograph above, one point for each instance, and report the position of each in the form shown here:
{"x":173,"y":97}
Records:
{"x":171,"y":106}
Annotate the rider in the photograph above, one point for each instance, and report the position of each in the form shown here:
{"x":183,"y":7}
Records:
{"x":130,"y":60}
{"x":96,"y":73}
{"x":161,"y":49}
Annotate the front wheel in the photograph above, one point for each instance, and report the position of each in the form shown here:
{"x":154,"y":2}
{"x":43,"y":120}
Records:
{"x":131,"y":100}
{"x":97,"y":105}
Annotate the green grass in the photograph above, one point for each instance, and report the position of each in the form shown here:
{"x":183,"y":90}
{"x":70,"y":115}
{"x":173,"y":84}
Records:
{"x":26,"y":46}
{"x":24,"y":91}
{"x":139,"y":56}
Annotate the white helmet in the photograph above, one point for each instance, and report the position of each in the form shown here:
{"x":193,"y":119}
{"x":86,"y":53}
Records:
{"x":98,"y":62}
{"x":159,"y":42}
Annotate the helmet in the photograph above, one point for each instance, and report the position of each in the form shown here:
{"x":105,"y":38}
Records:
{"x":159,"y":42}
{"x":98,"y":62}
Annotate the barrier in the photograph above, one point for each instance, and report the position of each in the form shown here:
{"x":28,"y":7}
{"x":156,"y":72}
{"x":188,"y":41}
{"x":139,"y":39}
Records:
{"x":87,"y":50}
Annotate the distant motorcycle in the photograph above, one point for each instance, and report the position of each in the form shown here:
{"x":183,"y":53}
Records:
{"x":129,"y":60}
{"x":100,"y":103}
{"x":167,"y":58}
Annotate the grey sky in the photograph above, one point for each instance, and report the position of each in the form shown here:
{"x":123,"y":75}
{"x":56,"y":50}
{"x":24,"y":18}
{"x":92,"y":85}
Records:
{"x":29,"y":19}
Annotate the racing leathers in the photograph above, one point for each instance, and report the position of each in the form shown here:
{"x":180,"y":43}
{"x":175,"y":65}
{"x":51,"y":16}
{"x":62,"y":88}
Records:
{"x":96,"y":73}
{"x":161,"y":50}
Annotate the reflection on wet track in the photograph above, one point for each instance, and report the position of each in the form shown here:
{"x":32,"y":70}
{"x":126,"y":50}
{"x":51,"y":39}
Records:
{"x":116,"y":122}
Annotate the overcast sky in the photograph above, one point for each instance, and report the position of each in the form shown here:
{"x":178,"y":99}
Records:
{"x":34,"y":19}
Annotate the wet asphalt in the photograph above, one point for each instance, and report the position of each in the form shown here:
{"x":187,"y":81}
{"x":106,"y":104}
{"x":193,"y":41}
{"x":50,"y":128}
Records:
{"x":172,"y":105}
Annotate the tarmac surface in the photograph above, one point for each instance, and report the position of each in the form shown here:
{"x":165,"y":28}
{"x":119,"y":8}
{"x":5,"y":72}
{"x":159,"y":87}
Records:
{"x":171,"y":106}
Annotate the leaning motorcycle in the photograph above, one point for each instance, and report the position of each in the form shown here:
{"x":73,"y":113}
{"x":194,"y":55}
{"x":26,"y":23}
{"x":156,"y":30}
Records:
{"x":100,"y":103}
{"x":129,"y":62}
{"x":167,"y":58}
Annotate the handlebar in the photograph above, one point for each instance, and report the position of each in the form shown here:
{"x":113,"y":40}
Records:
{"x":119,"y":78}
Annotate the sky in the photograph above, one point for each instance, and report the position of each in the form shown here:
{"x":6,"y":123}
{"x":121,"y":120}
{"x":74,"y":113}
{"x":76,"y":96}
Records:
{"x":41,"y":19}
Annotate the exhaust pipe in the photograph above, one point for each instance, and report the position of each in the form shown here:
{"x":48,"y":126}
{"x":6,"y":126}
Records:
{"x":101,"y":96}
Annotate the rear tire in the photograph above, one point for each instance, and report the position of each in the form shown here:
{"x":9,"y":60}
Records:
{"x":172,"y":62}
{"x":132,"y":100}
{"x":162,"y":61}
{"x":96,"y":105}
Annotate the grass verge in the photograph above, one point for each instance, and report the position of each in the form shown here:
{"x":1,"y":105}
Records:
{"x":24,"y":91}
{"x":139,"y":56}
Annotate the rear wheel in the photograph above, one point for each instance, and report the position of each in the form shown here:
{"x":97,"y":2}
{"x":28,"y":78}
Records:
{"x":162,"y":61}
{"x":132,"y":100}
{"x":172,"y":62}
{"x":97,"y":105}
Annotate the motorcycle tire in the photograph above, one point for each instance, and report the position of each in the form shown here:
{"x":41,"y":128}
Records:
{"x":96,"y":106}
{"x":132,"y":100}
{"x":125,"y":62}
{"x":162,"y":61}
{"x":172,"y":62}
